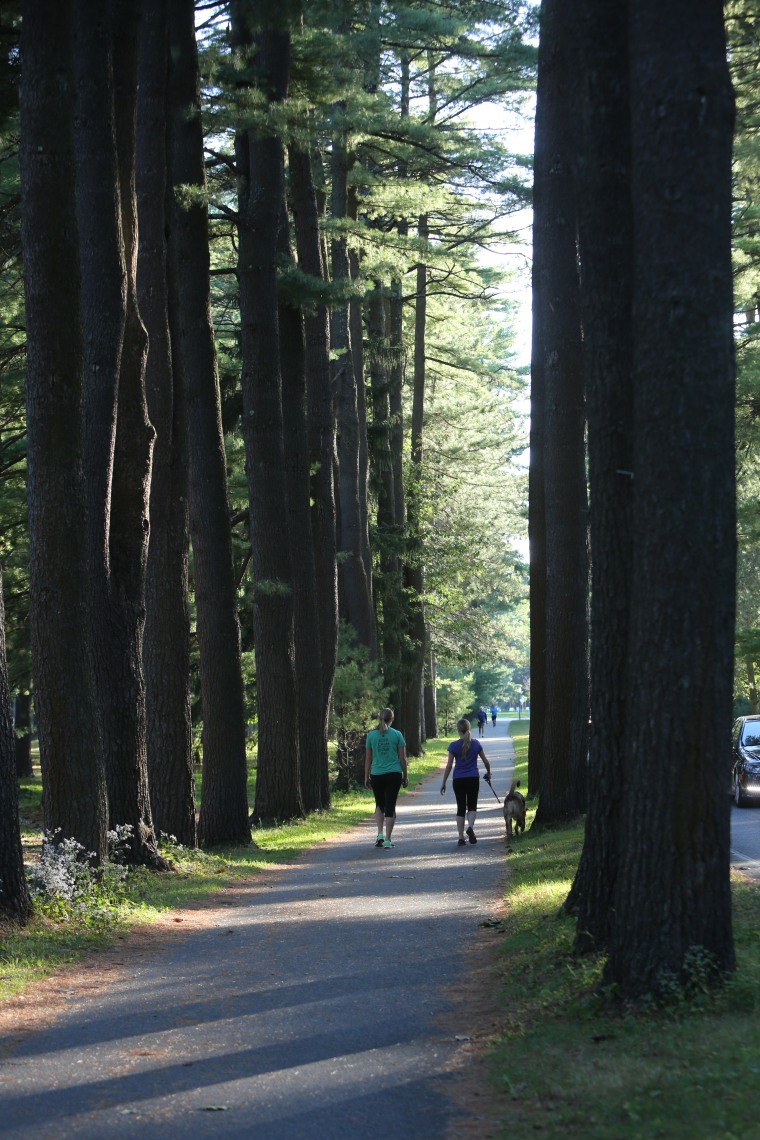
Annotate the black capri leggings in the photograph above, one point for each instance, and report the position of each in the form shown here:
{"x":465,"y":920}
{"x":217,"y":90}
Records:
{"x":386,"y":786}
{"x":466,"y":790}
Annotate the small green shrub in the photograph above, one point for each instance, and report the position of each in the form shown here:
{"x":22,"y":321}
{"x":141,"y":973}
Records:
{"x":358,"y":695}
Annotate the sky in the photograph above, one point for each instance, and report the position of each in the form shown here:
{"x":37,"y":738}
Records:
{"x":517,"y":131}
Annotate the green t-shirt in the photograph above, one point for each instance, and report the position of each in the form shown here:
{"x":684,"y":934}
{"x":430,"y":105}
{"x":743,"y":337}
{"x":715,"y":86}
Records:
{"x":384,"y":747}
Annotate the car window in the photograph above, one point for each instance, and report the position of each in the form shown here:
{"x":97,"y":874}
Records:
{"x":751,"y":735}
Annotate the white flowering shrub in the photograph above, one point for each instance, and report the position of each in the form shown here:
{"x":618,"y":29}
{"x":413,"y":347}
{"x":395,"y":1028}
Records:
{"x":118,"y":841}
{"x":67,"y":884}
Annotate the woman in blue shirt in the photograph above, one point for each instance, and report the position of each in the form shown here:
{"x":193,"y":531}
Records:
{"x":463,"y":754}
{"x":385,"y":771}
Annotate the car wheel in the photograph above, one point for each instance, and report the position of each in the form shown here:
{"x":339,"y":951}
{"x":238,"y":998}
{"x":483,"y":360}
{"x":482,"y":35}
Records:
{"x":739,"y":798}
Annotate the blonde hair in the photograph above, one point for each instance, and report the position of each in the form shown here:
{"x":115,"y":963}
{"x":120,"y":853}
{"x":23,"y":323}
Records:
{"x":464,"y":729}
{"x":385,"y":718}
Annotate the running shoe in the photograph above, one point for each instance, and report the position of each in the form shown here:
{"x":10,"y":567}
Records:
{"x":471,"y":835}
{"x":462,"y":842}
{"x":379,"y":841}
{"x":387,"y":843}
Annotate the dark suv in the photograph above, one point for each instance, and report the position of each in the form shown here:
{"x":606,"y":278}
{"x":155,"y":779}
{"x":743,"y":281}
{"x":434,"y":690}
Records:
{"x":745,"y":758}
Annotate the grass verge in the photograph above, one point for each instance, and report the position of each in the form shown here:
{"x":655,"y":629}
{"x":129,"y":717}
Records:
{"x":46,"y":943}
{"x":575,"y":1069}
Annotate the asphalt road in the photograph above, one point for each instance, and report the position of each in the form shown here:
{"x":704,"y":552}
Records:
{"x":326,"y":1002}
{"x":745,"y":839}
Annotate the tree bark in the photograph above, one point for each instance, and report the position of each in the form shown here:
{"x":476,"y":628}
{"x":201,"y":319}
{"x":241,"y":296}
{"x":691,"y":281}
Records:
{"x":74,"y":790}
{"x":224,"y":801}
{"x":260,"y":162}
{"x":119,"y":436}
{"x":321,"y":424}
{"x":562,"y":791}
{"x":602,"y":176}
{"x":356,"y":322}
{"x":392,"y":514}
{"x":387,"y":580}
{"x":398,"y":360}
{"x":431,"y":706}
{"x":536,"y":473}
{"x":15,"y":904}
{"x":673,"y":897}
{"x":413,"y":725}
{"x":354,"y":575}
{"x":312,"y":714}
{"x":166,"y":648}
{"x":380,"y":455}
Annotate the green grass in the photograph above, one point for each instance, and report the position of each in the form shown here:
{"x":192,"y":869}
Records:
{"x":575,"y":1068}
{"x":29,"y":954}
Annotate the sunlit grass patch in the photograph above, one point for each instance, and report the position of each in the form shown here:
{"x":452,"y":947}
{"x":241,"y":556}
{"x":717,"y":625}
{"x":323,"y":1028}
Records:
{"x":30,"y":803}
{"x":536,"y":895}
{"x":40,"y":949}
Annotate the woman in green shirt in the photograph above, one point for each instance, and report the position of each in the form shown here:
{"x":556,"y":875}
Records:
{"x":385,"y":772}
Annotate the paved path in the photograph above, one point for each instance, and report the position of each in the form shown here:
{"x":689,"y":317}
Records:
{"x":325,"y":1004}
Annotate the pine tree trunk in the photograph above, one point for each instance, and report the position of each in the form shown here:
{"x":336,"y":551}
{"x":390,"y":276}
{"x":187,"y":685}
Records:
{"x":393,"y":607}
{"x":224,"y":803}
{"x":541,"y":318}
{"x":312,"y":719}
{"x":354,"y":576}
{"x":391,"y":519}
{"x":562,"y":792}
{"x":166,"y":648}
{"x":15,"y":904}
{"x":380,"y":387}
{"x":397,"y":338}
{"x":431,"y":708}
{"x":602,"y":173}
{"x":412,"y":725}
{"x":382,"y":459}
{"x":260,"y":163}
{"x":673,"y":898}
{"x":103,"y":290}
{"x":74,"y":793}
{"x":321,"y":424}
{"x":356,"y":321}
{"x":117,"y":425}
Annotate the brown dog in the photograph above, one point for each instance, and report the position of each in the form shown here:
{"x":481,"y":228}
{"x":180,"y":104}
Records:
{"x":514,"y":810}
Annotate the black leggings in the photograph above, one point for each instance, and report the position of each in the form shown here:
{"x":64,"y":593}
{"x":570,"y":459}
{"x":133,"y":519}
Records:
{"x":386,"y":786}
{"x":466,"y":790}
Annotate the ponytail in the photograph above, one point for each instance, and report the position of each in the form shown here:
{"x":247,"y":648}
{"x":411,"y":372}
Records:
{"x":385,"y":718}
{"x":464,"y":729}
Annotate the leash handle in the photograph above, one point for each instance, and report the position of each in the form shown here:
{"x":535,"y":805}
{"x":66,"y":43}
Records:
{"x":493,"y":790}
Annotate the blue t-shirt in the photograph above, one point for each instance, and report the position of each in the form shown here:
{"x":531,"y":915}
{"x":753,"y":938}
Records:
{"x":465,"y":765}
{"x":384,"y":747}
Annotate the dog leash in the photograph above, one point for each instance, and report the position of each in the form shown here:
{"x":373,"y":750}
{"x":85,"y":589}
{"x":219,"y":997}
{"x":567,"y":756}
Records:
{"x":492,"y":789}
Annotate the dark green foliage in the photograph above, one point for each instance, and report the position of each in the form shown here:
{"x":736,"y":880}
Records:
{"x":13,"y":512}
{"x":358,"y":696}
